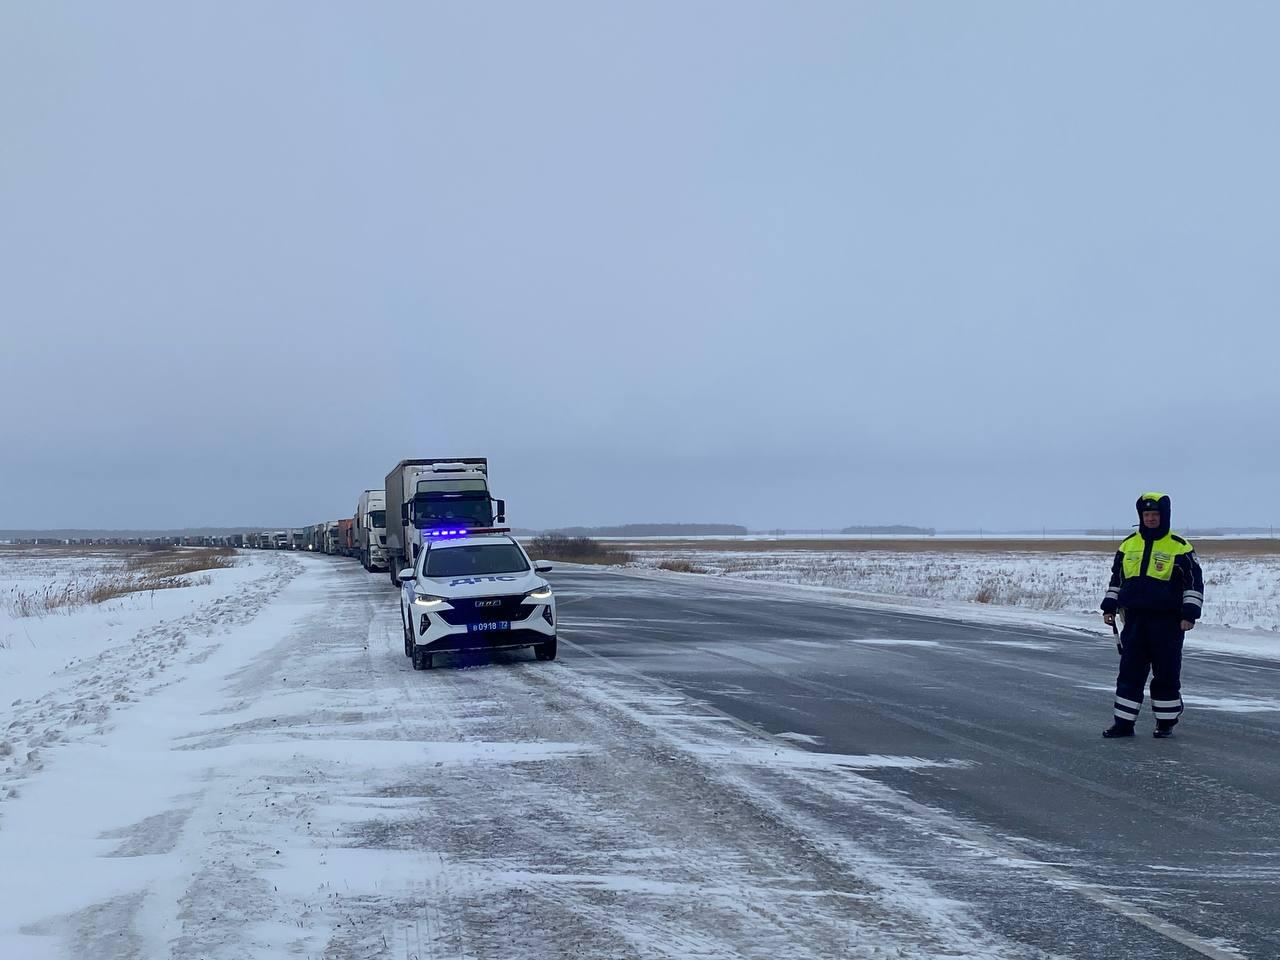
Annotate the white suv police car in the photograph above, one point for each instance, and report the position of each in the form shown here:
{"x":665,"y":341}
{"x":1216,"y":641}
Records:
{"x":478,"y":592}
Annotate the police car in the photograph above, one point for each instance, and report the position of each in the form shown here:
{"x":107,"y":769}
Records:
{"x":469,"y":591}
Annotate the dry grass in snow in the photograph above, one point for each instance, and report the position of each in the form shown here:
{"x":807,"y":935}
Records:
{"x":554,"y":546}
{"x":76,"y":578}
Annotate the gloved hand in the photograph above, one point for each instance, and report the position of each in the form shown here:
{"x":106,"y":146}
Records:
{"x":1109,"y":619}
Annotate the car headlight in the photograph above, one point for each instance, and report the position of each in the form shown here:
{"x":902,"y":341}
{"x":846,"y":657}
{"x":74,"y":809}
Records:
{"x":539,"y":593}
{"x":426,"y":600}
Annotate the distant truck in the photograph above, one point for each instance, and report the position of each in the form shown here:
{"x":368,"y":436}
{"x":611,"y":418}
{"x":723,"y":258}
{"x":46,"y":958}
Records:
{"x":346,"y":538}
{"x":266,"y":541}
{"x":371,"y":529}
{"x":280,"y":540}
{"x":331,"y":537}
{"x":443,"y":495}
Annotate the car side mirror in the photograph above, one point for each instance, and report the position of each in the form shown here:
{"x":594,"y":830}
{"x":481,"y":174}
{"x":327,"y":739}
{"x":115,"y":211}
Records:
{"x":540,"y":567}
{"x":405,"y":574}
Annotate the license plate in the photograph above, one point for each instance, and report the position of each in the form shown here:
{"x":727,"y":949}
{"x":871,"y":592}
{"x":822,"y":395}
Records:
{"x":489,"y":627}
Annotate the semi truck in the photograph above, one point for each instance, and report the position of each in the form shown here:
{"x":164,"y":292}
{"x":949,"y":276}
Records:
{"x":441,"y":496}
{"x":371,"y":529}
{"x":331,"y":537}
{"x":346,"y":538}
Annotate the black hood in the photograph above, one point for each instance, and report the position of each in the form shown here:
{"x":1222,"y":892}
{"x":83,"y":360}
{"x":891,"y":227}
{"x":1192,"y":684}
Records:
{"x":1156,"y":501}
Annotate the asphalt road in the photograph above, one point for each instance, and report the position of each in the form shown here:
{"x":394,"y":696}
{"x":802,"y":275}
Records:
{"x":1109,"y":849}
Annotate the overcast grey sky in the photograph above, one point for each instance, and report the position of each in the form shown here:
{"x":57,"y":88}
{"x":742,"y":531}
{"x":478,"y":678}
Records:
{"x":782,"y":264}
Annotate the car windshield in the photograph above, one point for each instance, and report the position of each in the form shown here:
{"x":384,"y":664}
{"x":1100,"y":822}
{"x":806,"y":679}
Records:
{"x":474,"y":560}
{"x":378,"y":518}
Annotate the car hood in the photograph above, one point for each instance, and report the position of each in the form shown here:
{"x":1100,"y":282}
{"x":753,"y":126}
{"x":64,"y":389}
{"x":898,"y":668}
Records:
{"x":488,"y":585}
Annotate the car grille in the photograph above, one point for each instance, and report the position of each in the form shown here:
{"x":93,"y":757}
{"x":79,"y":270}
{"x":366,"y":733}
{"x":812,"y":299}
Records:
{"x":465,"y":611}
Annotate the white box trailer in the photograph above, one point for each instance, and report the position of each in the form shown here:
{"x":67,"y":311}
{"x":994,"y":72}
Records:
{"x":371,"y":529}
{"x":437,"y":495}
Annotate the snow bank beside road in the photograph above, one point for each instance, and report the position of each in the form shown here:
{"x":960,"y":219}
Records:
{"x":1242,"y":594}
{"x":62,"y":673}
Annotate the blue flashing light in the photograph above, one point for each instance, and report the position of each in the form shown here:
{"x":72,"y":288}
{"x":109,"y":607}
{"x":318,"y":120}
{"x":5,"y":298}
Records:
{"x":442,"y":533}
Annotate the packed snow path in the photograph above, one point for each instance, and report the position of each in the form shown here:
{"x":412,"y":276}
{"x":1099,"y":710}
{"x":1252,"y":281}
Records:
{"x":708,"y":771}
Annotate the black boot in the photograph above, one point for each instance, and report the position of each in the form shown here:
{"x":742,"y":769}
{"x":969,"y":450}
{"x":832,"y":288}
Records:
{"x":1120,"y":728}
{"x":1164,"y":729}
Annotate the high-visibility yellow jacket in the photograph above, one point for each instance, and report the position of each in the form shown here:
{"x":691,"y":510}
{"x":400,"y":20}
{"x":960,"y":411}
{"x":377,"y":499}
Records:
{"x":1155,"y":570}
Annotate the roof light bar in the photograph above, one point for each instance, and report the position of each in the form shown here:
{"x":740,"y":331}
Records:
{"x":447,"y":532}
{"x":443,"y":533}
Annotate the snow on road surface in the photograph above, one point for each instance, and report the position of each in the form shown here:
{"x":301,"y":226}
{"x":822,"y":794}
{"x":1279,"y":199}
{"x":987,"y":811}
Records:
{"x":252,"y":769}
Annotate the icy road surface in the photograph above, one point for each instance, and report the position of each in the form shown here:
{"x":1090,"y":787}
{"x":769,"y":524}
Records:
{"x":257,"y":772}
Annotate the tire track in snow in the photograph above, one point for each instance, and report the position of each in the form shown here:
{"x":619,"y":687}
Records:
{"x":409,"y":813}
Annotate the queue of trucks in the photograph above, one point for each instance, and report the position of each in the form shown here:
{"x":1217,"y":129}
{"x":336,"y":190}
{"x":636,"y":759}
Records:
{"x":465,"y":583}
{"x":441,"y":496}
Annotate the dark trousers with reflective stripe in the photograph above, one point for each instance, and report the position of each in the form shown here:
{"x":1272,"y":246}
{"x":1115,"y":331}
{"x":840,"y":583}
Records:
{"x":1151,"y":643}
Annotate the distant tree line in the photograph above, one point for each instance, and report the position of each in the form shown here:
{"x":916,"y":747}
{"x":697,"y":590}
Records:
{"x":892,"y":529}
{"x":656,"y":530}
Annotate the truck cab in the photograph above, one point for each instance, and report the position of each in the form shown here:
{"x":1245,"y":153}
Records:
{"x":371,"y":530}
{"x":437,"y":496}
{"x":451,"y":498}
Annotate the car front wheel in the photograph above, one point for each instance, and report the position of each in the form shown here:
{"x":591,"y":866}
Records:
{"x":546,"y":650}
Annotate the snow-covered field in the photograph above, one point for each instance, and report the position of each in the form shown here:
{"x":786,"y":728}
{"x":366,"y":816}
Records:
{"x":31,"y":574}
{"x":1242,"y":594}
{"x":62,"y":673}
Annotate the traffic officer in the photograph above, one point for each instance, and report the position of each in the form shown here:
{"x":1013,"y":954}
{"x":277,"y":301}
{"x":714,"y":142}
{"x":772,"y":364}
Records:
{"x":1158,"y":591}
